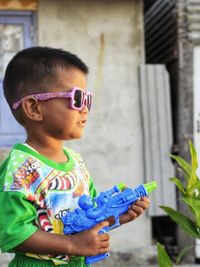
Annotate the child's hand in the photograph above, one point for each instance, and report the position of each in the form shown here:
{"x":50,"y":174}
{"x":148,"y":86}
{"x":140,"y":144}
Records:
{"x":90,"y":242}
{"x":135,"y":210}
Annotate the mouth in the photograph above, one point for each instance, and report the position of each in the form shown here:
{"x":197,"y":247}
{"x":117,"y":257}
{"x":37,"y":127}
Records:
{"x":82,"y":123}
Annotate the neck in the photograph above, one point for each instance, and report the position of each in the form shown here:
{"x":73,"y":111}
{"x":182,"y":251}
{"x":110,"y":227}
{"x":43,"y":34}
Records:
{"x":48,"y":147}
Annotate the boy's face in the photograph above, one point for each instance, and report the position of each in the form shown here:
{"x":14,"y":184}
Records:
{"x":59,"y":120}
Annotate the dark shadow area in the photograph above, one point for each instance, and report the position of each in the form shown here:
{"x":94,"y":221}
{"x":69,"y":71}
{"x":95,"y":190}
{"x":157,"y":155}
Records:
{"x":164,"y":231}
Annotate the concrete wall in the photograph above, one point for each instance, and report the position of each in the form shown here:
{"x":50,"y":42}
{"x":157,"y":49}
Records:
{"x":188,"y":38}
{"x":108,"y":36}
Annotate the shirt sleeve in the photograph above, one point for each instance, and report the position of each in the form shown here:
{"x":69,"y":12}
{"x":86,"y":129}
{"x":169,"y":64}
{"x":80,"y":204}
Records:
{"x":17,"y":215}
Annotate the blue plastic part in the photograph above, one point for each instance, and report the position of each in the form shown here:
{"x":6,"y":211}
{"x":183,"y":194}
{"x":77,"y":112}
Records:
{"x":93,"y":259}
{"x":111,"y":203}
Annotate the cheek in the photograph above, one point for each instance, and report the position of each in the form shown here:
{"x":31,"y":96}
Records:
{"x":58,"y":113}
{"x":68,"y":120}
{"x":62,"y":121}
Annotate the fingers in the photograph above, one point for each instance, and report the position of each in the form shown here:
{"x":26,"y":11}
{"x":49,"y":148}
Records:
{"x":102,"y":240}
{"x":104,"y":237}
{"x":127,"y":217}
{"x":104,"y":250}
{"x":104,"y":247}
{"x":144,"y":202}
{"x":104,"y":244}
{"x":135,"y":210}
{"x":90,"y":242}
{"x":100,"y":225}
{"x":140,"y":206}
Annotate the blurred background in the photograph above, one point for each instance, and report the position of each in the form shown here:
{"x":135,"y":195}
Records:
{"x":144,"y":61}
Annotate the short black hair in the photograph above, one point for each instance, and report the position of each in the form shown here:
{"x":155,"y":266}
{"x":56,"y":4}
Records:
{"x":35,"y":69}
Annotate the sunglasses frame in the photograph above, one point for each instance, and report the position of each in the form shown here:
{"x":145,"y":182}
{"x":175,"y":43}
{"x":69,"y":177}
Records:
{"x":51,"y":95}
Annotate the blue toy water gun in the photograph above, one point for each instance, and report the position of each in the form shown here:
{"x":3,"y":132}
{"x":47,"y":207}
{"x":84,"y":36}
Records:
{"x":111,"y":203}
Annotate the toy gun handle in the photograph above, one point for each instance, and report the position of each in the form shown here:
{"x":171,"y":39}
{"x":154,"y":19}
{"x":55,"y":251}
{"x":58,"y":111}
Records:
{"x":92,"y":259}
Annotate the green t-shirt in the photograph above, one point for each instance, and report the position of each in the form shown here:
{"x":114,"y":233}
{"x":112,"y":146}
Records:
{"x":34,"y":194}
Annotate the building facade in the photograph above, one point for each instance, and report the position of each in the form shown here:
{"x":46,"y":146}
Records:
{"x":125,"y":139}
{"x":177,"y":46}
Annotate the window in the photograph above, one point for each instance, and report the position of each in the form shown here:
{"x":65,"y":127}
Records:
{"x":16,"y":33}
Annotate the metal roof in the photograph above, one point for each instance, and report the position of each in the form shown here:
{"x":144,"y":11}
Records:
{"x":161,"y":32}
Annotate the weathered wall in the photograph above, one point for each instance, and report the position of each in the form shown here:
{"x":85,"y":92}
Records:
{"x":189,"y":36}
{"x":185,"y":121}
{"x":108,"y":36}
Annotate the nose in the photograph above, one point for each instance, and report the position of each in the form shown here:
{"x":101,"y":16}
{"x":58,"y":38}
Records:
{"x":84,"y":110}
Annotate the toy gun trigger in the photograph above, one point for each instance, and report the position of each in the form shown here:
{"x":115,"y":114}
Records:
{"x":114,"y":225}
{"x":108,"y":228}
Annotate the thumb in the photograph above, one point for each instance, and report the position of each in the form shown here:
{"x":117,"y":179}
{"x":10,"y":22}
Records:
{"x":100,"y":225}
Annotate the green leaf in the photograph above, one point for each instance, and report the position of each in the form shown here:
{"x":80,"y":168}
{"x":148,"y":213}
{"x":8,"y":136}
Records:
{"x":194,"y":191}
{"x":178,"y":184}
{"x":194,"y":204}
{"x":194,"y":163}
{"x":192,"y":182}
{"x":183,"y":252}
{"x":163,"y":258}
{"x":185,"y":223}
{"x":194,"y":159}
{"x":187,"y":168}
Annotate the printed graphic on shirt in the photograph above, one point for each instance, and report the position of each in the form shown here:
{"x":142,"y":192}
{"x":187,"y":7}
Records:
{"x":52,"y":192}
{"x":26,"y":174}
{"x":43,"y":220}
{"x":63,"y":181}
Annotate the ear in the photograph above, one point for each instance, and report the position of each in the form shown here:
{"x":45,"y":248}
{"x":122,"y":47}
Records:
{"x":32,"y":109}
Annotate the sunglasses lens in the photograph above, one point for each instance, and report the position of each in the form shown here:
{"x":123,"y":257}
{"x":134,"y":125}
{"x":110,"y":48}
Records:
{"x":78,"y":98}
{"x":89,"y":101}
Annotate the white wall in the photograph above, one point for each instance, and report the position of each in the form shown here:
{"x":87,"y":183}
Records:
{"x":108,"y":36}
{"x":196,"y":99}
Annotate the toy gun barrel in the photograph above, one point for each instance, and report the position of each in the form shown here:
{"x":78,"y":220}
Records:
{"x":140,"y":191}
{"x":150,"y":186}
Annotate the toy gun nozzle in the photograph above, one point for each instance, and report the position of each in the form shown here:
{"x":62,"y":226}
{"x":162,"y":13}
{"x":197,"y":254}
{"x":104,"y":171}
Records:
{"x":150,"y":186}
{"x":121,"y":186}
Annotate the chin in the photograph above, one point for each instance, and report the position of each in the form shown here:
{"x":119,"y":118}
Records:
{"x":74,"y":136}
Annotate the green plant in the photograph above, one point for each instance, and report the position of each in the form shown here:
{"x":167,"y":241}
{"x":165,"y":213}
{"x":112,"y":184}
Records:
{"x":163,"y":258}
{"x":190,"y":190}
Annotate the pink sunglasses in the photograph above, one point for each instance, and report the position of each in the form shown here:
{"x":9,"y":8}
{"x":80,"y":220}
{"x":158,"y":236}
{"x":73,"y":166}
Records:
{"x":79,"y":98}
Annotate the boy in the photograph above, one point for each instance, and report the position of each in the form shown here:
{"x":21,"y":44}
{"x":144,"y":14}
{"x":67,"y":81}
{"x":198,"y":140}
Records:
{"x":41,"y":180}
